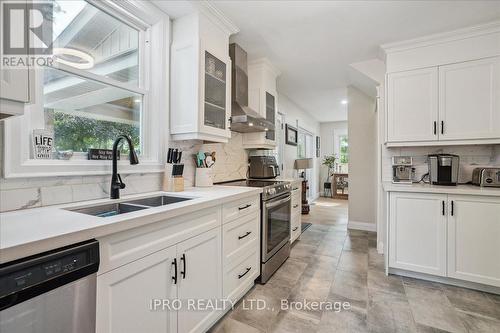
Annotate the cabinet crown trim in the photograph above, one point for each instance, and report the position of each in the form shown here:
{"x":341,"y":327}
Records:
{"x":216,"y":16}
{"x":264,"y":62}
{"x":439,"y":38}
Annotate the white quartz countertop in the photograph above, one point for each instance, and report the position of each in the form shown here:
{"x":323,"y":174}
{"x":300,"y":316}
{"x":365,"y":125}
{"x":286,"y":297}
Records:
{"x":31,"y":231}
{"x":427,"y":188}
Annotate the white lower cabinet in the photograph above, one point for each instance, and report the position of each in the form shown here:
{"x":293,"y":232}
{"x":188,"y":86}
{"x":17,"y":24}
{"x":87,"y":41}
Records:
{"x":191,"y":270}
{"x":124,"y":295}
{"x":417,"y":240}
{"x":455,"y":236}
{"x":200,"y":278}
{"x":474,"y":239}
{"x":177,"y":259}
{"x":296,"y":220}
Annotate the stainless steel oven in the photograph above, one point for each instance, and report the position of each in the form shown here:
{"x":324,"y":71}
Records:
{"x":276,"y":221}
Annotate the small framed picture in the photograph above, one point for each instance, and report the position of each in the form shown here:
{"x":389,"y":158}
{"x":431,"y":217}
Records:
{"x":290,"y":135}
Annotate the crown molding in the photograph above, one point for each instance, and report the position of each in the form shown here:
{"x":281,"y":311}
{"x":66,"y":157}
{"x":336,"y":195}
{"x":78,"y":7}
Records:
{"x":216,"y":16}
{"x":445,"y":37}
{"x":265,"y":63}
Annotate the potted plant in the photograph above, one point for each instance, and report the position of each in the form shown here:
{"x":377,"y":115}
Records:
{"x":329,"y":162}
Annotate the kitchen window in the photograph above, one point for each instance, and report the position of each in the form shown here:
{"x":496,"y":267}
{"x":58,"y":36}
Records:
{"x":98,"y":87}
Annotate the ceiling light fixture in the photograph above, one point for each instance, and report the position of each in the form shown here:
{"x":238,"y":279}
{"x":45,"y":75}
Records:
{"x":87,"y":61}
{"x":250,"y":124}
{"x":137,"y":100}
{"x":343,"y":102}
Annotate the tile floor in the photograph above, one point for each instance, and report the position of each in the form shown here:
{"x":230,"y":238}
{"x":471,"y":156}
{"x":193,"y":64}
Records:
{"x":330,"y":263}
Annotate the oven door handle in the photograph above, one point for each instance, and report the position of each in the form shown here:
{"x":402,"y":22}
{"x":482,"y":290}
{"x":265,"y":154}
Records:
{"x":279,"y":202}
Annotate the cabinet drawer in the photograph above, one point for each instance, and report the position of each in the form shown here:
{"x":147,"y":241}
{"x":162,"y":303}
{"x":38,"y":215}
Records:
{"x":295,"y":227}
{"x":237,"y":234}
{"x":124,"y":247}
{"x":238,"y":208}
{"x":241,"y":275}
{"x":296,"y":204}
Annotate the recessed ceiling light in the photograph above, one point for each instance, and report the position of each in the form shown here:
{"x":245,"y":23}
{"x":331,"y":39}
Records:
{"x":137,"y":100}
{"x":343,"y":102}
{"x":266,"y":129}
{"x":250,"y":124}
{"x":86,"y":61}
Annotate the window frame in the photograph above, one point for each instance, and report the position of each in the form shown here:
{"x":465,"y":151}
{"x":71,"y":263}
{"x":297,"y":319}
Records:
{"x":154,"y":33}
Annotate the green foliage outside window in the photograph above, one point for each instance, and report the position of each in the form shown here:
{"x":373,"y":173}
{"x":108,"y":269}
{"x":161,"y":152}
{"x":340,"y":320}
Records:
{"x":344,"y":149}
{"x":81,"y":133}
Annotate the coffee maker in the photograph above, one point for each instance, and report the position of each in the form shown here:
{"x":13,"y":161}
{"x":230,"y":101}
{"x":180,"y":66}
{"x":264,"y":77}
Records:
{"x":443,"y":169}
{"x":402,"y":169}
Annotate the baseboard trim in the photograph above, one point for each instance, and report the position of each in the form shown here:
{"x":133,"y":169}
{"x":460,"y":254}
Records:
{"x":446,"y":280}
{"x":362,"y":226}
{"x":380,"y":248}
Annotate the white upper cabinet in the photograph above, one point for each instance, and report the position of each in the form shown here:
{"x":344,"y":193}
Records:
{"x":469,"y":100}
{"x":412,"y":105}
{"x":473,"y":239}
{"x":200,"y":79}
{"x":444,"y":89}
{"x":14,"y":83}
{"x":262,"y":98}
{"x":417,"y":232}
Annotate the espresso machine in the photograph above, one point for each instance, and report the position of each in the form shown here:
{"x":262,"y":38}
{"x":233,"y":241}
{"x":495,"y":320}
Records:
{"x":402,"y":170}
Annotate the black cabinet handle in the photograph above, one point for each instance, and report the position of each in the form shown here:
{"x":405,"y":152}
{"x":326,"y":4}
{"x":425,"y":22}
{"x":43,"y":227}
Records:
{"x":443,"y":207}
{"x":442,"y":127}
{"x":174,"y":278}
{"x":245,"y":207}
{"x":183,"y":259}
{"x":246,"y":272}
{"x":245,"y":235}
{"x":452,"y":207}
{"x":295,"y":228}
{"x":295,"y":206}
{"x":435,"y":127}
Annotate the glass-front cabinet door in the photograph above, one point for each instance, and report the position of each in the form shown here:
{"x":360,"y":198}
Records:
{"x":270,"y":115}
{"x":215,"y":103}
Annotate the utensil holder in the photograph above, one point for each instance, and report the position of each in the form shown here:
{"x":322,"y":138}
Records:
{"x":204,"y":177}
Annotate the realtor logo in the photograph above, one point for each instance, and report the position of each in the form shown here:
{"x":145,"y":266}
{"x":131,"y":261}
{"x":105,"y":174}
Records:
{"x":27,"y":28}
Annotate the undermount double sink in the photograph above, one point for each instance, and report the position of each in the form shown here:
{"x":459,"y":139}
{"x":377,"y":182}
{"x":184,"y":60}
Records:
{"x":112,"y":209}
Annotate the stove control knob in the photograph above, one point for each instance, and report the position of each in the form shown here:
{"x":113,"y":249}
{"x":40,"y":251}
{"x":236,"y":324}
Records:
{"x":271,"y":191}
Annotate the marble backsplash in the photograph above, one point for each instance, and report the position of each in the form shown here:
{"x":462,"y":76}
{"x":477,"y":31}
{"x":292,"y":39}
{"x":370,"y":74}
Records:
{"x":470,"y":157}
{"x":22,"y":193}
{"x":231,"y":158}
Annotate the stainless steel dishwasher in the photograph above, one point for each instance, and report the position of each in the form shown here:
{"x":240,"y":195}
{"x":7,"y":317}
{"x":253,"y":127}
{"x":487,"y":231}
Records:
{"x":51,"y":292}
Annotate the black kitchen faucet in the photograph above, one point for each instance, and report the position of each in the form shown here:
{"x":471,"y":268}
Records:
{"x":116,"y":181}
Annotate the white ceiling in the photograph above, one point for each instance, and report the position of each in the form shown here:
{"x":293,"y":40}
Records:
{"x":313,"y":42}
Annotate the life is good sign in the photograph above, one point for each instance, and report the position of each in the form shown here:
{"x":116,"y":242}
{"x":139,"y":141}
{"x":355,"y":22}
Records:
{"x":43,"y":141}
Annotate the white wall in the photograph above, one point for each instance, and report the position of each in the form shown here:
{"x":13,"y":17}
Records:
{"x":296,"y":117}
{"x":329,"y":131}
{"x":362,"y":131}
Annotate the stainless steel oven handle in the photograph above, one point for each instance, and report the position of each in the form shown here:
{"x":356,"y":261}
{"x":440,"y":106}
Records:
{"x":279,"y":202}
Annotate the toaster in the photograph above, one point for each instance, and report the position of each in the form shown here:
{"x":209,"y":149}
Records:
{"x":486,"y":177}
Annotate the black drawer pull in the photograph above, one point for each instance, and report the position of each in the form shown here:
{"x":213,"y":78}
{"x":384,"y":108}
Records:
{"x":295,"y":228}
{"x":452,"y":207}
{"x":183,"y":259}
{"x":245,"y":235}
{"x":443,"y":208}
{"x":245,"y":207}
{"x":174,"y":278}
{"x":295,"y":206}
{"x":246,"y":272}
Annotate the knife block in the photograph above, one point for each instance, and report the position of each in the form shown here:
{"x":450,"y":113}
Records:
{"x":172,"y":184}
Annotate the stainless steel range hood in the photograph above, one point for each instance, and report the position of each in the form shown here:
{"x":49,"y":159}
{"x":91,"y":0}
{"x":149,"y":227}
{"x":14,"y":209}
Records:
{"x":243,"y":118}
